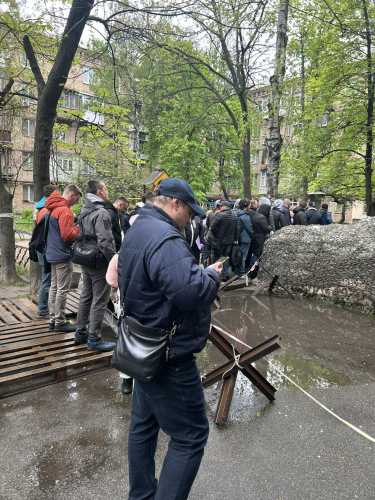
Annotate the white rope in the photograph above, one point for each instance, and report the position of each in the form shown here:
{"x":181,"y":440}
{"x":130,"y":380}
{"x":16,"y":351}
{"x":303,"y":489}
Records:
{"x":236,"y":362}
{"x":321,"y":405}
{"x":6,"y":216}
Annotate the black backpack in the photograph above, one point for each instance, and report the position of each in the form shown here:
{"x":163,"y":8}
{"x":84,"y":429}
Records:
{"x":86,"y":251}
{"x":38,"y":239}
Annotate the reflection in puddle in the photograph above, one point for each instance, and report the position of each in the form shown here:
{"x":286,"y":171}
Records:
{"x":322,"y":345}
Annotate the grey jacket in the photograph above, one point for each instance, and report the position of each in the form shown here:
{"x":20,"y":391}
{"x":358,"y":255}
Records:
{"x":95,"y":220}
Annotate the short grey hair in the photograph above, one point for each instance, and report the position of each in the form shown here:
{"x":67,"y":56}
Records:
{"x":161,"y":201}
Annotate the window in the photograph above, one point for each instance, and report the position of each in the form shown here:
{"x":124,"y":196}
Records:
{"x":142,"y":141}
{"x":28,"y":193}
{"x":263,"y":181}
{"x":88,"y":76}
{"x":27,"y":160}
{"x":72,"y":100}
{"x":28,"y":91}
{"x":5,"y":168}
{"x":28,"y":127}
{"x":65,"y":164}
{"x":86,"y":169}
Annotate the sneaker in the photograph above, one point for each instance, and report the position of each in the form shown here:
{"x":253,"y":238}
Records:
{"x":80,"y":337}
{"x":100,"y":345}
{"x":65,"y":328}
{"x":51,"y":326}
{"x":127,"y":386}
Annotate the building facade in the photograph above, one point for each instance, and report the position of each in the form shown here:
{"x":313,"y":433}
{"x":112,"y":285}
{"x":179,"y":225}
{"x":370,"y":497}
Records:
{"x":17,"y":128}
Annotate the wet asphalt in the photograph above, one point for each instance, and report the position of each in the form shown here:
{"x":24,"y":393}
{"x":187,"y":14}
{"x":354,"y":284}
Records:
{"x":69,"y":440}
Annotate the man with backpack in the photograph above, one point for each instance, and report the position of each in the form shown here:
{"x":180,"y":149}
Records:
{"x":61,"y":233}
{"x":97,"y":247}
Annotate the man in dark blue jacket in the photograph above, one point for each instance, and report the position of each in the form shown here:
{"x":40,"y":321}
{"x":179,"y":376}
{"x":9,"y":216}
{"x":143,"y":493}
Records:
{"x":161,"y":286}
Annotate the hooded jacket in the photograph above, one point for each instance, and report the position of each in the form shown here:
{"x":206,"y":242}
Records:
{"x":313,"y":216}
{"x":95,"y":220}
{"x":261,"y":230}
{"x":115,"y":219}
{"x":224,"y":229}
{"x":61,"y":231}
{"x":299,"y":216}
{"x":161,"y":283}
{"x":246,"y":227}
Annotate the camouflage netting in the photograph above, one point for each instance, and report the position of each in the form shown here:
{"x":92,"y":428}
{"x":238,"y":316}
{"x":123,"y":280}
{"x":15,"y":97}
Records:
{"x":335,"y":261}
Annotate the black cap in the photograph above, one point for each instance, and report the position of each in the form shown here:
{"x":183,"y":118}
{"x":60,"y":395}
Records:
{"x":177,"y":188}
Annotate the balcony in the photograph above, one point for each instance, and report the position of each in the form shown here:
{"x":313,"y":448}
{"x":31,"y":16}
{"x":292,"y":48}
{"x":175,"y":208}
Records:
{"x":5,"y":137}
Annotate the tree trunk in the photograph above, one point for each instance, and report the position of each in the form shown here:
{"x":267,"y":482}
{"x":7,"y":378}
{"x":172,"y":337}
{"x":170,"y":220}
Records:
{"x":274,"y":140}
{"x":221,"y":177}
{"x":305,"y":179}
{"x":245,"y":149}
{"x":370,"y":114}
{"x":49,"y":92}
{"x":246,"y":165}
{"x":45,"y":120}
{"x":7,"y":242}
{"x":343,"y":213}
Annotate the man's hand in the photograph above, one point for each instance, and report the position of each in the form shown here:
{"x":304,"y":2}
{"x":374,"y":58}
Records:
{"x":217,"y":266}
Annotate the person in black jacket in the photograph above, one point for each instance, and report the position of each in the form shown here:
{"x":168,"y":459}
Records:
{"x":194,"y":234}
{"x":223,"y":232}
{"x":261,"y":228}
{"x":162,"y":285}
{"x":122,"y":205}
{"x":246,"y":232}
{"x":299,"y":214}
{"x":313,"y":216}
{"x":278,"y":216}
{"x":115,"y":221}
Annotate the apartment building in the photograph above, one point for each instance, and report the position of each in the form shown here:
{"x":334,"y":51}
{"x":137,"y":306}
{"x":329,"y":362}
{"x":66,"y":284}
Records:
{"x":17,"y":127}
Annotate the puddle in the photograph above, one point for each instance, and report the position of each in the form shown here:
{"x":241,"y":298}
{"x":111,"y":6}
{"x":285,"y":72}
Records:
{"x":78,"y":457}
{"x":322,"y":345}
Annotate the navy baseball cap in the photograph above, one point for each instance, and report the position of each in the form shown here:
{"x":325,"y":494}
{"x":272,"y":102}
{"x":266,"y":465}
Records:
{"x":177,"y":188}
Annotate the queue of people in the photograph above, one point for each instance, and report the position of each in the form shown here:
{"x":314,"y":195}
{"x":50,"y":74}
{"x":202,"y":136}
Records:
{"x":163,"y":263}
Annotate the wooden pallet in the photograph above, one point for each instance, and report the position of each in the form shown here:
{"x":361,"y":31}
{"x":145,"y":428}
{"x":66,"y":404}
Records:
{"x":31,"y":356}
{"x":15,"y":311}
{"x":72,"y":303}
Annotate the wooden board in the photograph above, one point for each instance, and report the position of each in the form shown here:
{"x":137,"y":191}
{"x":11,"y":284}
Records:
{"x":16,"y":311}
{"x":31,"y":357}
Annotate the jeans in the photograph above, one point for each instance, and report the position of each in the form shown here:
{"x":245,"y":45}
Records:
{"x":173,"y":402}
{"x":45,"y":283}
{"x":245,"y":247}
{"x":93,"y":301}
{"x":61,"y":275}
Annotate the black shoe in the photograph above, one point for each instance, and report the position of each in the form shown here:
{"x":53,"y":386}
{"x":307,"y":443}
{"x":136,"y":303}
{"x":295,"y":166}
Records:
{"x":65,"y":328}
{"x":51,"y":326}
{"x":80,"y":337}
{"x":100,"y":345}
{"x":127,"y":386}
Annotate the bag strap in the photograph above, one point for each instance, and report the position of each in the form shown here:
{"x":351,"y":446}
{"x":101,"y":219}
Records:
{"x":46,"y":226}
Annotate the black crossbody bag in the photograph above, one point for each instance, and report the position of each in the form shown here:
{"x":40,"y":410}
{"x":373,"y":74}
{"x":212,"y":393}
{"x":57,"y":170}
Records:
{"x":141,"y":351}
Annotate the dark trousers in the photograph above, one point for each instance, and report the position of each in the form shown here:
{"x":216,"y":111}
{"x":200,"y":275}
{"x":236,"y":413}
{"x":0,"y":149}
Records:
{"x":173,"y":402}
{"x":45,"y":283}
{"x":93,"y":301}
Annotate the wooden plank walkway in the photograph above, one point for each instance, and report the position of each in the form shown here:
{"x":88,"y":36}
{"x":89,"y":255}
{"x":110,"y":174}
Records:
{"x":15,"y":311}
{"x":31,"y":356}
